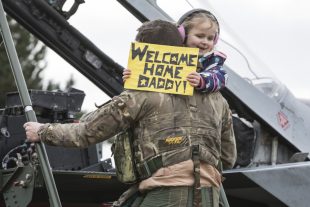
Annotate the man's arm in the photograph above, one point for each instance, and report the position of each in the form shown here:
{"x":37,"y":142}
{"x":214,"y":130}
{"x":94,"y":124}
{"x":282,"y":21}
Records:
{"x":103,"y":123}
{"x":228,"y":142}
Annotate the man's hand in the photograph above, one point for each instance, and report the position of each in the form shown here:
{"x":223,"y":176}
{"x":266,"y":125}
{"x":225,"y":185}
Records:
{"x":194,"y":79}
{"x":126,"y":74}
{"x":32,"y":129}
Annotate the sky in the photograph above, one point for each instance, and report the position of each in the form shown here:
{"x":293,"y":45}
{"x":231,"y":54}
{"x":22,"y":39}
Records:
{"x":274,"y":34}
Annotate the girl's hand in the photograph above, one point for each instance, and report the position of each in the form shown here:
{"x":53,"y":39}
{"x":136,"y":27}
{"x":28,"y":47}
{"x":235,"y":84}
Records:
{"x":194,"y":79}
{"x":126,"y":74}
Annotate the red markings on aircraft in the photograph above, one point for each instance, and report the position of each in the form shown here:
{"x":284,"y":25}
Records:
{"x":283,"y":120}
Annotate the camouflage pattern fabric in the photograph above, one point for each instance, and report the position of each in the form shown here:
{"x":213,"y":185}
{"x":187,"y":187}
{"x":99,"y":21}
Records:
{"x":163,"y":124}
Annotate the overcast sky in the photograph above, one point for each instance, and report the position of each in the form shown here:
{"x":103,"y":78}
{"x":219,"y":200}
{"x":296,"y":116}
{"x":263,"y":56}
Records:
{"x":276,"y":31}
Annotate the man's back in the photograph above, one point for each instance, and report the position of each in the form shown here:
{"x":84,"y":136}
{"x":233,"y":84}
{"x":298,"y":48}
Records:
{"x":166,"y":122}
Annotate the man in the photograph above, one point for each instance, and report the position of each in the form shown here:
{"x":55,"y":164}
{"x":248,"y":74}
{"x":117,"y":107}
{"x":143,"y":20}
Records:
{"x":179,"y":141}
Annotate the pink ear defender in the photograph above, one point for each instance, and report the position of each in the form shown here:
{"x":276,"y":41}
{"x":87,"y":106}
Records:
{"x":182,"y":32}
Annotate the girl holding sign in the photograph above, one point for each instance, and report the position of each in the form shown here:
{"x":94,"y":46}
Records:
{"x":200,"y":29}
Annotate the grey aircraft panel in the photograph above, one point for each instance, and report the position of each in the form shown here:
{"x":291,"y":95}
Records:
{"x":289,"y":183}
{"x":268,"y":110}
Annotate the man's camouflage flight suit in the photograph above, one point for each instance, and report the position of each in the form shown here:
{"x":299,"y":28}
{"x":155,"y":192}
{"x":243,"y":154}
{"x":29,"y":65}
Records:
{"x":167,"y":129}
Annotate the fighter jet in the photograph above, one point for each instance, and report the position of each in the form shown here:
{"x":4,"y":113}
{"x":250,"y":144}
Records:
{"x":270,"y":123}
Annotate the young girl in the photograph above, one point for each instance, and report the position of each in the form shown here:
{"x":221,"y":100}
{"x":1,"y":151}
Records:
{"x":200,"y":28}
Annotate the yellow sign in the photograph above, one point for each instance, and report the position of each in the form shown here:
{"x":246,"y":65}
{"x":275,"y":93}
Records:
{"x":161,"y":68}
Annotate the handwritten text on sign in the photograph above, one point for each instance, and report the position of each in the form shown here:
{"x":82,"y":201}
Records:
{"x":161,"y":68}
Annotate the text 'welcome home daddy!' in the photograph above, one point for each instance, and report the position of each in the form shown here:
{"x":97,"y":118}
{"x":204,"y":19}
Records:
{"x":161,"y":68}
